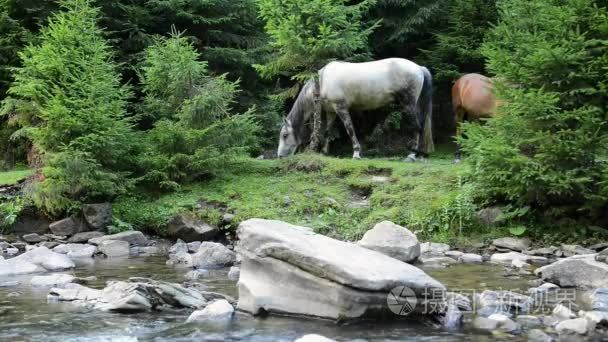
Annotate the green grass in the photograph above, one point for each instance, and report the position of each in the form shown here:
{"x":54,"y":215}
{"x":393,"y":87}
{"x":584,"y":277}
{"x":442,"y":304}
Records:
{"x":14,"y":176}
{"x":319,"y":192}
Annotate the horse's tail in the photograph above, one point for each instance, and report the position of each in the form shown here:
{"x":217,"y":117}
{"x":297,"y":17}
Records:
{"x":426,"y":105}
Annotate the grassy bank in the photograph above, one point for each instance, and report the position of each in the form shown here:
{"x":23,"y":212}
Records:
{"x":337,"y":197}
{"x":14,"y":176}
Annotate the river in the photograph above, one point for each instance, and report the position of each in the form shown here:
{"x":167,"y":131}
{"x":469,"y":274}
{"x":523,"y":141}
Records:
{"x":25,"y":314}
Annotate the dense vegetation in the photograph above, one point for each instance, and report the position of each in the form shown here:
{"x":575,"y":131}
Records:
{"x":142,"y":102}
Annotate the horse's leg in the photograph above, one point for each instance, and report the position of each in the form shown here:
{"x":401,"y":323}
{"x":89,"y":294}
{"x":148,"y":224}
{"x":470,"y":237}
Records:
{"x":327,"y":138}
{"x":410,"y":110}
{"x":344,"y":115}
{"x":459,"y":115}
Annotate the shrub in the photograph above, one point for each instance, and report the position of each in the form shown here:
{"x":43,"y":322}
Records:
{"x":547,"y":148}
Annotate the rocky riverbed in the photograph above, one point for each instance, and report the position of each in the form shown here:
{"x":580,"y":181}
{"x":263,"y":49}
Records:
{"x":96,"y":287}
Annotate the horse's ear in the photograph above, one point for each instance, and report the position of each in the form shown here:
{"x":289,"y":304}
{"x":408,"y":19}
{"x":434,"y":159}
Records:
{"x":285,"y":122}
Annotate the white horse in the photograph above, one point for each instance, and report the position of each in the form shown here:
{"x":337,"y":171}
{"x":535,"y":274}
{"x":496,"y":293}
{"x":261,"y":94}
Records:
{"x":363,"y":86}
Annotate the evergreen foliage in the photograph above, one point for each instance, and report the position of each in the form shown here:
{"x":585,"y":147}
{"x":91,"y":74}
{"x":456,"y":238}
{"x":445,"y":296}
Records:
{"x":456,"y":50}
{"x":68,"y":97}
{"x":546,"y":152}
{"x":307,"y":34}
{"x":405,"y":26}
{"x":195,"y":133}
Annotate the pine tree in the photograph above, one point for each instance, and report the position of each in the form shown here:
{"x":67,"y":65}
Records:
{"x":405,"y":26}
{"x":72,"y":106}
{"x":456,"y":50}
{"x":195,"y":132}
{"x":546,"y":151}
{"x":306,"y":34}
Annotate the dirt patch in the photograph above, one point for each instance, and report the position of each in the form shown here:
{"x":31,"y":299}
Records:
{"x":307,"y":165}
{"x":359,"y":196}
{"x":379,"y":171}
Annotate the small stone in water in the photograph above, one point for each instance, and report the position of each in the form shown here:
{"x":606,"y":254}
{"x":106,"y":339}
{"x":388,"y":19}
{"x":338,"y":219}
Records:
{"x":234,"y":273}
{"x":314,"y":338}
{"x":9,"y":283}
{"x":196,"y":274}
{"x":537,"y":335}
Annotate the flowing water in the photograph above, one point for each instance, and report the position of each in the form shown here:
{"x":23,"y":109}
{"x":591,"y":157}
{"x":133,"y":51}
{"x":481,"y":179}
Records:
{"x":25,"y":314}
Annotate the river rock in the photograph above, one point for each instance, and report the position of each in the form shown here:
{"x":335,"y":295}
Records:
{"x":32,"y":238}
{"x":461,"y":301}
{"x":193,"y":246}
{"x":505,"y":301}
{"x":84,"y":236}
{"x":545,"y":251}
{"x":12,"y":267}
{"x":454,"y":254}
{"x":180,"y":247}
{"x":196,"y":274}
{"x":148,"y":250}
{"x":133,"y":237}
{"x":218,"y":311}
{"x":234,"y":273}
{"x":507,"y":258}
{"x":135,"y":295}
{"x":436,"y":261}
{"x":597,"y":317}
{"x":434,"y":248}
{"x":52,"y":280}
{"x":189,"y":229}
{"x":576,"y":271}
{"x":519,"y":263}
{"x":598,"y":247}
{"x":514,"y":244}
{"x":563,"y":312}
{"x":452,"y":318}
{"x":393,"y":240}
{"x":543,"y":288}
{"x":290,"y":269}
{"x":471,"y":258}
{"x":484,"y":323}
{"x":49,"y":244}
{"x":602,"y":256}
{"x":227,"y":219}
{"x":76,"y":250}
{"x":505,"y":324}
{"x":45,"y":258}
{"x":537,"y":335}
{"x":314,"y":338}
{"x":67,"y":227}
{"x":181,"y":258}
{"x":571,"y":250}
{"x":529,"y":321}
{"x":577,"y":326}
{"x":98,"y":215}
{"x":213,"y":255}
{"x":599,"y":300}
{"x":114,"y":248}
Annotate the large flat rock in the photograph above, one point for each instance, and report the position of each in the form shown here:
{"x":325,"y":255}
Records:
{"x":290,"y":269}
{"x":577,"y":271}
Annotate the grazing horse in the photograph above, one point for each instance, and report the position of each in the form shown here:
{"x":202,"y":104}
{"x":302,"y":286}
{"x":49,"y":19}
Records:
{"x":343,"y":86}
{"x":472,"y":99}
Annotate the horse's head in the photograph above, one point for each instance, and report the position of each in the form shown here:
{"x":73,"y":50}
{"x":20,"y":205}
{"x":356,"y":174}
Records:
{"x":288,"y":139}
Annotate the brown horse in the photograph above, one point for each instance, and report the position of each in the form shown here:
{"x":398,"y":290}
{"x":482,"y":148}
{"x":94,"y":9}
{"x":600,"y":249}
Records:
{"x":472,"y":99}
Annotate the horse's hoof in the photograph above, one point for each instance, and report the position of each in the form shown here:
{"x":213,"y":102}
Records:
{"x":456,"y":161}
{"x":356,"y":155}
{"x":410,"y":159}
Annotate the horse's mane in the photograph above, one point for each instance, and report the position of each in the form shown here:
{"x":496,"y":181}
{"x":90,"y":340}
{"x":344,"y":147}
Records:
{"x":302,"y":105}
